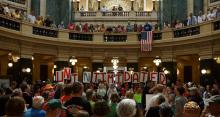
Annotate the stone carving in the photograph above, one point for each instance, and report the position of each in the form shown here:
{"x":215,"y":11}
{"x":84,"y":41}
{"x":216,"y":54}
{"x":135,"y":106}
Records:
{"x":126,"y":4}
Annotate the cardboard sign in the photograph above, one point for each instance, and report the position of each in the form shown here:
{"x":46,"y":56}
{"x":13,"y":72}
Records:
{"x":74,"y":77}
{"x":154,"y":76}
{"x":67,"y":73}
{"x":135,"y":77}
{"x":143,"y":76}
{"x":59,"y":76}
{"x":86,"y":77}
{"x":110,"y":78}
{"x":127,"y":77}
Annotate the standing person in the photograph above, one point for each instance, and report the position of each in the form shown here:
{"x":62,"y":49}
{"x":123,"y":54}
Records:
{"x":113,"y":104}
{"x":138,"y":97}
{"x":77,"y":100}
{"x":191,"y":20}
{"x":112,"y":89}
{"x":15,"y":107}
{"x":101,"y":109}
{"x":36,"y":110}
{"x":67,"y":93}
{"x":126,"y":108}
{"x":180,"y":101}
{"x":31,"y":17}
{"x":54,"y":108}
{"x":26,"y":94}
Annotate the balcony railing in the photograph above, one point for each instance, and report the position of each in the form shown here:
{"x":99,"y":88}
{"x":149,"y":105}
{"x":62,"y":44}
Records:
{"x":11,"y":24}
{"x":79,"y":36}
{"x":156,"y":36}
{"x":18,"y":1}
{"x":116,"y":13}
{"x":143,"y":13}
{"x":115,"y":38}
{"x":216,"y":25}
{"x":206,"y":29}
{"x":187,"y":32}
{"x":87,"y":14}
{"x":45,"y":32}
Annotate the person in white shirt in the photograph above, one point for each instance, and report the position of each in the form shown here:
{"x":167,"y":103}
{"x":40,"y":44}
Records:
{"x":201,"y":18}
{"x":210,"y":15}
{"x":6,"y":10}
{"x":31,"y":18}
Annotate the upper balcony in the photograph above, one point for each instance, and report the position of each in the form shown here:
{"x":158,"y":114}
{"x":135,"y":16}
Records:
{"x":25,"y":31}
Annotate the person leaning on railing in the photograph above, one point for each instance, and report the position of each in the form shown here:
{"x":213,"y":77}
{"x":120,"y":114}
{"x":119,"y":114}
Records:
{"x":16,"y":14}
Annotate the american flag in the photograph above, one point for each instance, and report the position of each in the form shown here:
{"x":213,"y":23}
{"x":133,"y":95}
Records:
{"x":146,"y":41}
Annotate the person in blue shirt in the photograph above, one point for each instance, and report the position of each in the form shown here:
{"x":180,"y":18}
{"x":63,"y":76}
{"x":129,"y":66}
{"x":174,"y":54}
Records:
{"x":147,"y":27}
{"x":36,"y":110}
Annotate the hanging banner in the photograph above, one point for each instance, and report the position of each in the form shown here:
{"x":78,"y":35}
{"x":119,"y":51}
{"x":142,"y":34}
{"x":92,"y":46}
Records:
{"x":119,"y":77}
{"x":143,"y":76}
{"x":127,"y":76}
{"x":59,"y":76}
{"x":162,"y":78}
{"x":67,"y":73}
{"x":98,"y":77}
{"x":74,"y":77}
{"x":110,"y":78}
{"x":135,"y":77}
{"x":86,"y":77}
{"x":154,"y":76}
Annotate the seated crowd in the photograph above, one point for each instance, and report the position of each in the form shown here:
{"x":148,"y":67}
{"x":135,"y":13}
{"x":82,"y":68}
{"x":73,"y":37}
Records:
{"x":109,"y":100}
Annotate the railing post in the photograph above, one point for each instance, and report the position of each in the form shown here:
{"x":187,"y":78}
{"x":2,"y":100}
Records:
{"x":64,"y":35}
{"x":132,"y":14}
{"x":206,"y":28}
{"x":98,"y":37}
{"x":26,"y":29}
{"x":132,"y":37}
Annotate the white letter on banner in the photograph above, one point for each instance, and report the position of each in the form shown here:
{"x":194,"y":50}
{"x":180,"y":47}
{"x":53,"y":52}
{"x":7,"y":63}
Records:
{"x":86,"y":77}
{"x":135,"y":77}
{"x":110,"y":78}
{"x":59,"y":76}
{"x":127,"y":77}
{"x":118,"y":77}
{"x":162,"y":78}
{"x":97,"y":77}
{"x":74,"y":77}
{"x":154,"y":76}
{"x":143,"y":76}
{"x":67,"y":73}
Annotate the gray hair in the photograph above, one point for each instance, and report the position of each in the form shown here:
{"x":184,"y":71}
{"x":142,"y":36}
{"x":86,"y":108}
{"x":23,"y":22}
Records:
{"x":126,"y":108}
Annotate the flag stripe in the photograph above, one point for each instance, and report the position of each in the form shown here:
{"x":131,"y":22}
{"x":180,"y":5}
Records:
{"x":146,"y":41}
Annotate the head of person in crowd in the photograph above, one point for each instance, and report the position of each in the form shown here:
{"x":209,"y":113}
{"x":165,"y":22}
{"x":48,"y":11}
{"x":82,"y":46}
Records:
{"x":17,"y":92}
{"x":115,"y":98}
{"x":191,"y":109}
{"x":165,"y":110}
{"x":38,"y":102}
{"x":77,"y":89}
{"x":126,"y":108}
{"x":101,"y":109}
{"x":159,"y":88}
{"x":25,"y":88}
{"x":15,"y":107}
{"x":82,"y":113}
{"x":180,"y":91}
{"x":130,"y":94}
{"x":2,"y":92}
{"x":54,"y":108}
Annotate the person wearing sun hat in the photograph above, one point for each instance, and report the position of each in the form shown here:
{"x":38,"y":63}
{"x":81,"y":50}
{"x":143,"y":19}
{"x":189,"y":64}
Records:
{"x":54,"y":108}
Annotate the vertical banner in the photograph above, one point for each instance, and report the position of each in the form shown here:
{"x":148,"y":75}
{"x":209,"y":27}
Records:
{"x":162,"y":78}
{"x":86,"y":77}
{"x":154,"y":76}
{"x":74,"y":77}
{"x":135,"y":77}
{"x":67,"y":73}
{"x":110,"y":78}
{"x":119,"y":77}
{"x":127,"y":76}
{"x":143,"y":76}
{"x":59,"y":76}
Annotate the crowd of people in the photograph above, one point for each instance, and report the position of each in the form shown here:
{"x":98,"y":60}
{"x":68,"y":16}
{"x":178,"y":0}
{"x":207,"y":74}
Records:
{"x":212,"y":14}
{"x":109,"y":100}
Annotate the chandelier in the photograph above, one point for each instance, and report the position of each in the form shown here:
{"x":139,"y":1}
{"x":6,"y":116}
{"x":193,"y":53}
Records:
{"x":157,"y":61}
{"x":73,"y":60}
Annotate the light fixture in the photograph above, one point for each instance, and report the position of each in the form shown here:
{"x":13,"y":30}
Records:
{"x":32,"y":58}
{"x":217,"y":59}
{"x":10,"y":64}
{"x":98,"y":71}
{"x":157,"y":61}
{"x":203,"y":71}
{"x":85,"y":67}
{"x":15,"y":58}
{"x":73,"y":60}
{"x":115,"y":61}
{"x":166,"y":71}
{"x":54,"y":66}
{"x":28,"y":70}
{"x":144,"y":67}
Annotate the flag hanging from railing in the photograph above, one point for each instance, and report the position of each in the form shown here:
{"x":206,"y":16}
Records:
{"x":146,"y":41}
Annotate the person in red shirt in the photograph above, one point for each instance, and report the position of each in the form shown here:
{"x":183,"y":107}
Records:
{"x":86,"y":28}
{"x":71,"y":26}
{"x":67,"y":93}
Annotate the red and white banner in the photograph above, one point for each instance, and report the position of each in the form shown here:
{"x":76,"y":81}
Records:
{"x":67,"y":73}
{"x":74,"y":77}
{"x":59,"y":76}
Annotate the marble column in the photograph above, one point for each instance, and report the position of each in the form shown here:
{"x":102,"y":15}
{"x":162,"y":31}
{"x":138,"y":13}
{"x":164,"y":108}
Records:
{"x":205,"y":6}
{"x":43,"y":5}
{"x":190,"y":4}
{"x":28,"y":2}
